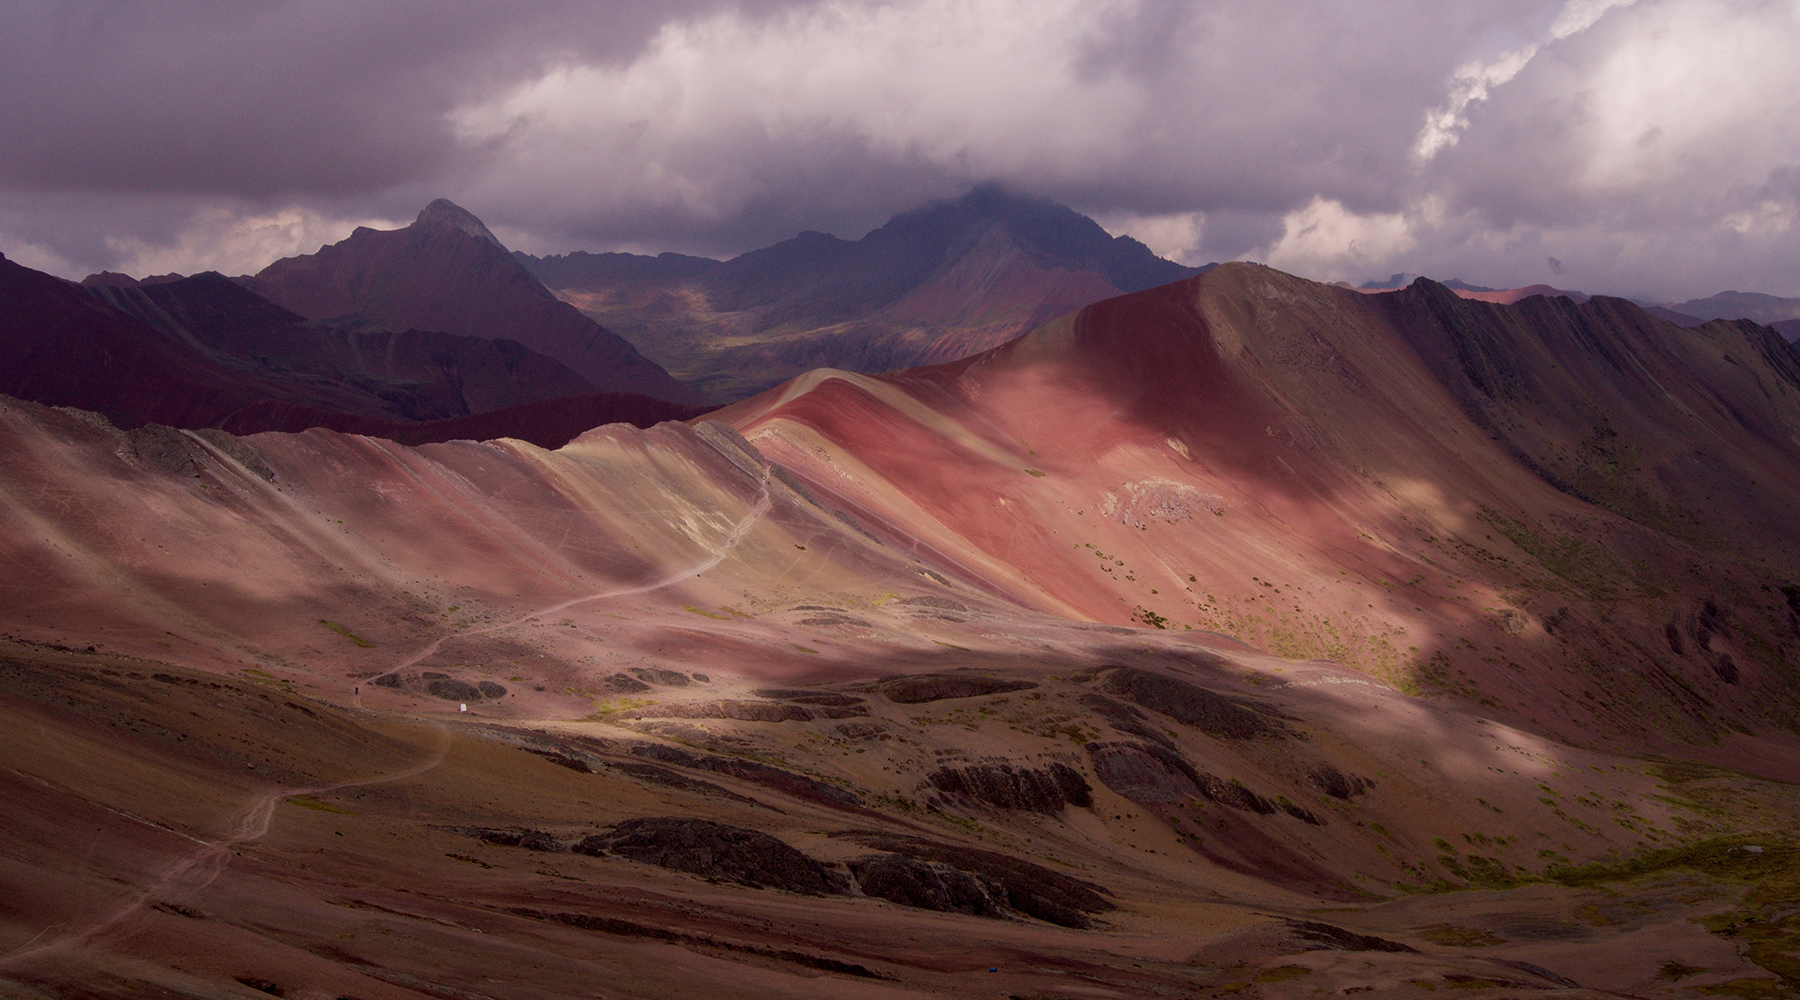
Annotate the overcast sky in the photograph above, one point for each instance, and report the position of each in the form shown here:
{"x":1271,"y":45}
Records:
{"x":1640,"y":147}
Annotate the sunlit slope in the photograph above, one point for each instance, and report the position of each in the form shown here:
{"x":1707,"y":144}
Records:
{"x":328,"y":553}
{"x":1323,"y":473}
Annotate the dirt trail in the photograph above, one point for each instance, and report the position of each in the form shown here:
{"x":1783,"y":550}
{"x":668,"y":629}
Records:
{"x":763,"y":502}
{"x":194,"y":871}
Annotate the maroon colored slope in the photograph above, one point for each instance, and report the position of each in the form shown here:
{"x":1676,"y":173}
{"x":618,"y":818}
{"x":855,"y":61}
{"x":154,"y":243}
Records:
{"x":61,"y":347}
{"x":351,"y":368}
{"x":446,"y":272}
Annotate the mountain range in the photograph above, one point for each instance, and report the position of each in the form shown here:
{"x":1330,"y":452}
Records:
{"x":1038,"y":618}
{"x":1241,"y":635}
{"x":934,"y":284}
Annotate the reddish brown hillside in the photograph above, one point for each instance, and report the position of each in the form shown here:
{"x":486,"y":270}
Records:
{"x":1556,"y":510}
{"x":446,"y":272}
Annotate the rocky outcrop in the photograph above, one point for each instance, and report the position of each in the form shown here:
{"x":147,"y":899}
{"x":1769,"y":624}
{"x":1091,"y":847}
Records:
{"x":1154,"y":775}
{"x":919,"y":688}
{"x":530,"y":840}
{"x":1027,"y":888}
{"x":923,"y":884}
{"x":786,"y":782}
{"x":1336,"y":783}
{"x":715,"y":850}
{"x":1045,"y":790}
{"x":1188,"y":704}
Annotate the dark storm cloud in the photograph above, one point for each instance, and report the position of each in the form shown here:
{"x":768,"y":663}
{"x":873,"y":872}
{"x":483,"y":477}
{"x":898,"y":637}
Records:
{"x":253,"y":99}
{"x":1644,"y":143}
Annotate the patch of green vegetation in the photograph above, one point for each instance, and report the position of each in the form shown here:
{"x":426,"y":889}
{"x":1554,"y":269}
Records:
{"x":1283,"y":973}
{"x":308,"y":802}
{"x":806,"y":649}
{"x":704,"y":613}
{"x":1578,"y":563}
{"x":1754,"y":989}
{"x":605,"y":709}
{"x":1764,"y":923}
{"x":466,"y":859}
{"x":1150,"y":618}
{"x":1034,"y":472}
{"x":346,"y":633}
{"x":1454,"y":936}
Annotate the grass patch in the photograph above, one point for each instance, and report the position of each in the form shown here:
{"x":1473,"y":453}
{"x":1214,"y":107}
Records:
{"x":1283,"y":973}
{"x":1453,"y":936}
{"x":346,"y":633}
{"x":605,"y":709}
{"x":704,"y":613}
{"x":308,"y":802}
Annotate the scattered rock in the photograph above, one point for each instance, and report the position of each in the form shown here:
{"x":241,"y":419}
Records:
{"x":1026,"y":789}
{"x":387,"y":681}
{"x":657,"y":675}
{"x":1194,"y":706}
{"x":715,"y":850}
{"x":489,"y":689}
{"x":919,"y":688}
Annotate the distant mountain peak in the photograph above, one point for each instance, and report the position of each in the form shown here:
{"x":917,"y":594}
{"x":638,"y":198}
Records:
{"x":444,"y":212}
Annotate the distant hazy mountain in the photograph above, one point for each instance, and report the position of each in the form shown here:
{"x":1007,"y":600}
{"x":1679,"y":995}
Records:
{"x":1769,"y":310}
{"x":934,"y":284}
{"x":446,"y":272}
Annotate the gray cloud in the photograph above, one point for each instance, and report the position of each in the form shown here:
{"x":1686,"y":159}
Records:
{"x":1649,"y":146}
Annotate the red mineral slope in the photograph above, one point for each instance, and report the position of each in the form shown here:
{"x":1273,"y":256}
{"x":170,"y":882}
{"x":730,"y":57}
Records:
{"x":1508,"y":504}
{"x":446,"y":272}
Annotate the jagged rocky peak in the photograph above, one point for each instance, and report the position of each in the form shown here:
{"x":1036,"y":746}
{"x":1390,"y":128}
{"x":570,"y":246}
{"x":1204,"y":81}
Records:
{"x":444,"y":212}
